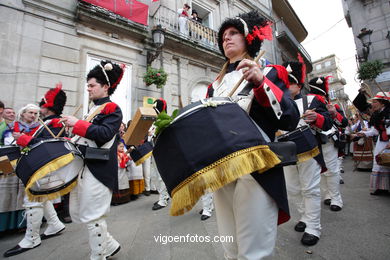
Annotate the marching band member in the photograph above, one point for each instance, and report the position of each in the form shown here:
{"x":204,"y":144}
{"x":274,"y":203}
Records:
{"x":330,"y":180}
{"x":97,"y":138}
{"x":51,"y":108}
{"x":303,"y":179}
{"x":380,"y":126}
{"x":247,"y":208}
{"x":160,"y":106}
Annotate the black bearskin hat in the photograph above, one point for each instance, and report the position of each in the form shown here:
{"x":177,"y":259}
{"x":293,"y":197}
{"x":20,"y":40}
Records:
{"x":54,"y":99}
{"x":256,"y":30}
{"x":296,"y":71}
{"x":108,"y":73}
{"x":319,"y":86}
{"x":160,"y":105}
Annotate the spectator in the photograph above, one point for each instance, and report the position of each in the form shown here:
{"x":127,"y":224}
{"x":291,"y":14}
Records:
{"x":183,"y":17}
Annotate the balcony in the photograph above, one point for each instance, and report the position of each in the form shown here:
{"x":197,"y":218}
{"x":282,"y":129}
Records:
{"x":287,"y":39}
{"x":193,"y":32}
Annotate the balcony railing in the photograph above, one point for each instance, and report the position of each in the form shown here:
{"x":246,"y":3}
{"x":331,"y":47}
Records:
{"x":188,"y":29}
{"x":281,"y":27}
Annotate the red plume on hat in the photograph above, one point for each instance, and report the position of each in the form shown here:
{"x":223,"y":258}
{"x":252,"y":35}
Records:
{"x":300,"y":59}
{"x":48,"y":99}
{"x":327,"y":83}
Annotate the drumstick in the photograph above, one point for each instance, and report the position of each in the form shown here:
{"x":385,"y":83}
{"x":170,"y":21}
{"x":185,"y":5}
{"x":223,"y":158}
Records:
{"x":314,"y":109}
{"x":63,"y":128}
{"x":242,"y":78}
{"x":47,"y":128}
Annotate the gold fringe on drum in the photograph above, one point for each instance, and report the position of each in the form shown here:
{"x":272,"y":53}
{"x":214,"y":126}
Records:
{"x":222,"y":172}
{"x":136,"y":186}
{"x":45,"y":170}
{"x":143,"y":158}
{"x":308,"y":155}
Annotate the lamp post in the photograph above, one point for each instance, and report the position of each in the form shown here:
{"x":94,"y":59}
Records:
{"x":158,"y":41}
{"x":365,"y":37}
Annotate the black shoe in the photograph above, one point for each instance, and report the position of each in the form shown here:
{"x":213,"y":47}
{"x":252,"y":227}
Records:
{"x":115,"y":252}
{"x":146,"y":192}
{"x":342,"y":171}
{"x":43,"y":236}
{"x":133,"y":197}
{"x":300,"y":226}
{"x":335,"y":208}
{"x":157,"y":207}
{"x":201,"y":212}
{"x":17,"y":250}
{"x":327,"y":202}
{"x":155,"y":203}
{"x":65,"y":219}
{"x":154,"y":192}
{"x":341,"y":181}
{"x":204,"y":217}
{"x":309,"y":239}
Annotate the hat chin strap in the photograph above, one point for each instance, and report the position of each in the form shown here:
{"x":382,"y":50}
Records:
{"x":294,"y":78}
{"x":105,"y":74}
{"x":317,"y":88}
{"x":246,"y":31}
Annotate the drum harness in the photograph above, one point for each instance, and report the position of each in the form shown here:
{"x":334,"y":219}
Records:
{"x":89,"y":151}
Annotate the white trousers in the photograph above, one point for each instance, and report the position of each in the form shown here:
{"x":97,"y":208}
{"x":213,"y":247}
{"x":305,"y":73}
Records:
{"x":207,"y":203}
{"x":146,"y":172}
{"x":330,"y":180}
{"x":89,"y":203}
{"x":90,"y":199}
{"x":303,"y":186}
{"x":248,"y":214}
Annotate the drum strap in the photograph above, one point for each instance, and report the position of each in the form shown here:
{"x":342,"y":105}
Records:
{"x":90,"y":117}
{"x":305,"y":103}
{"x":97,"y":111}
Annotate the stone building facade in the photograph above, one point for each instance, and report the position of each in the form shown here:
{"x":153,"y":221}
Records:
{"x":330,"y":66}
{"x":47,"y":41}
{"x":373,"y":17}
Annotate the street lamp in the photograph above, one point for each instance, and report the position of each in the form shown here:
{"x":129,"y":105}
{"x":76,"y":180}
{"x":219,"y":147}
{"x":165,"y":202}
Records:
{"x":365,"y":37}
{"x":158,"y":41}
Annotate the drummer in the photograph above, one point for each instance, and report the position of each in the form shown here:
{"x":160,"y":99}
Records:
{"x":330,"y":179}
{"x":250,"y":208}
{"x":303,"y":179}
{"x":51,"y":107}
{"x":90,"y":200}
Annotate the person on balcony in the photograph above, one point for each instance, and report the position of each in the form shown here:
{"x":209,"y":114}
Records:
{"x":183,"y":17}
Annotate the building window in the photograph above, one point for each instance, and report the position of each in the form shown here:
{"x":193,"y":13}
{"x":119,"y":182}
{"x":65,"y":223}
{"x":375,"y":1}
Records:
{"x":327,"y":63}
{"x":318,"y":66}
{"x":205,"y":15}
{"x":121,"y":96}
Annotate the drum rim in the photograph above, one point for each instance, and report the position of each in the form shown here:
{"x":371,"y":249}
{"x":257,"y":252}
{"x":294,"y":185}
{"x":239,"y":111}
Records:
{"x":297,"y":130}
{"x":202,"y":103}
{"x":48,"y":141}
{"x":57,"y":189}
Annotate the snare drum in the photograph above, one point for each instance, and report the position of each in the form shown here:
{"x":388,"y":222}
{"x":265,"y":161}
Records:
{"x":49,"y":169}
{"x":306,"y":142}
{"x":209,"y":144}
{"x":141,"y":153}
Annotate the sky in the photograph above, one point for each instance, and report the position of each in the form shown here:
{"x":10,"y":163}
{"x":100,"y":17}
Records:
{"x":328,"y":33}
